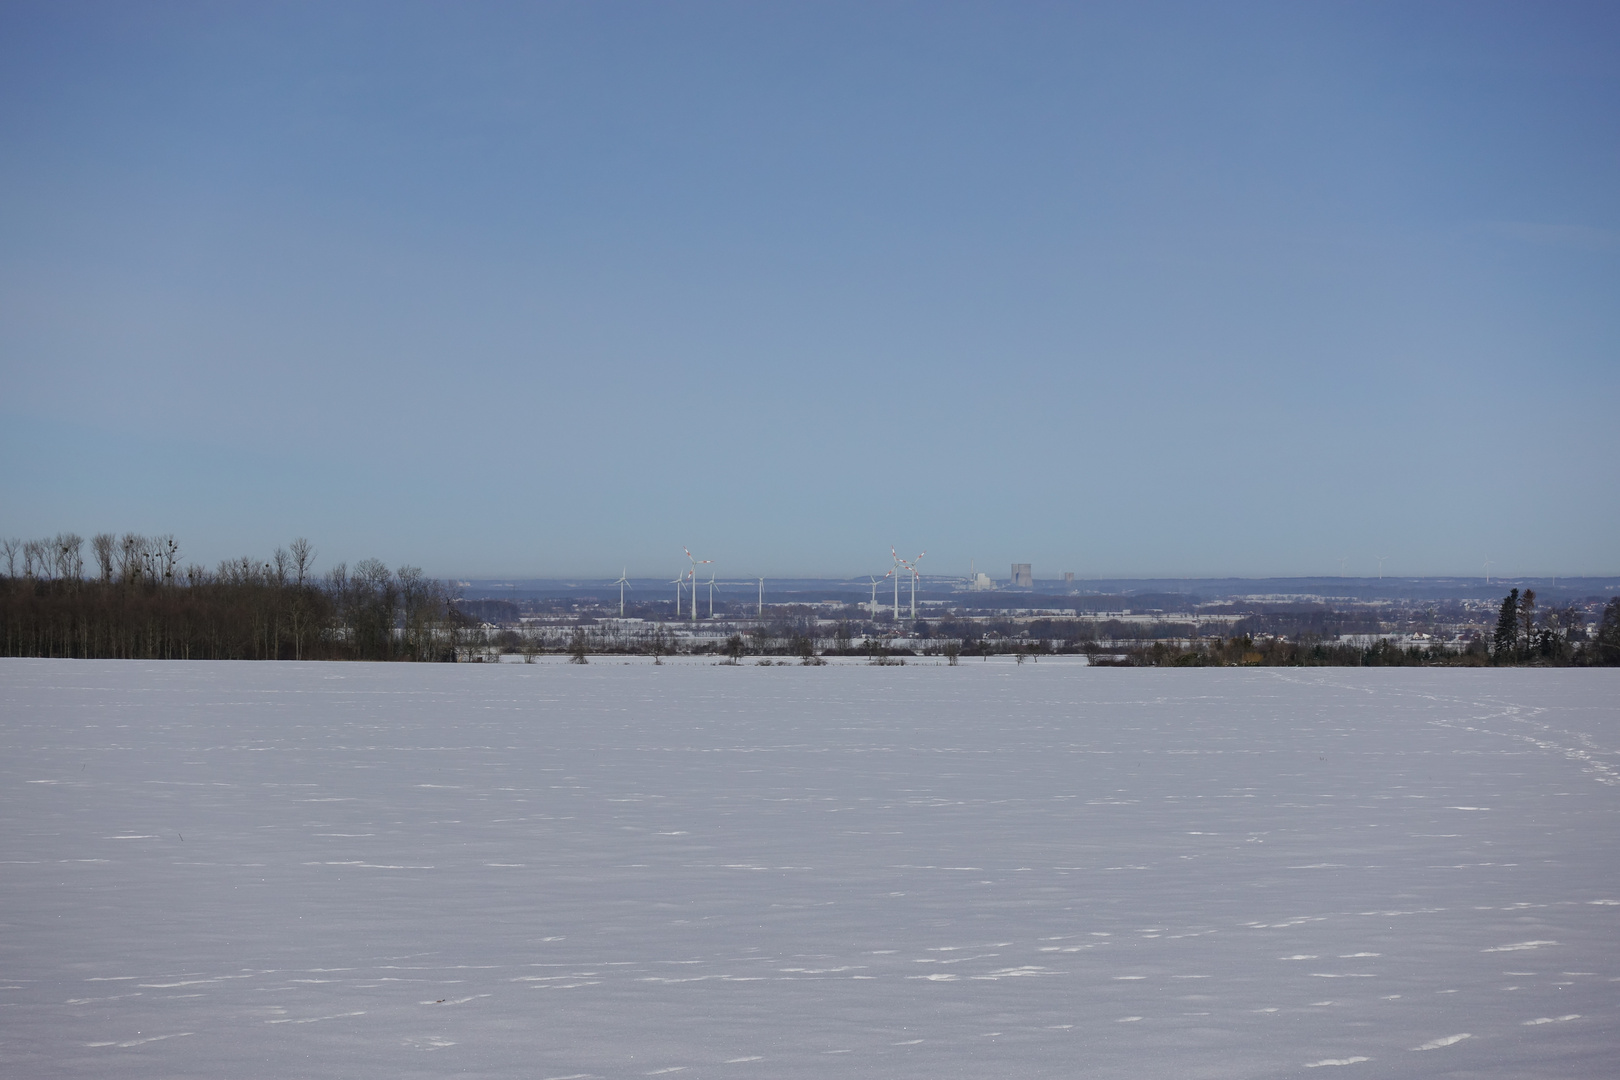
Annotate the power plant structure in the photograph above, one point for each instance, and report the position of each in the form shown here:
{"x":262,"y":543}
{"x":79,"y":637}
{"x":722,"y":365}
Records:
{"x":1022,"y":577}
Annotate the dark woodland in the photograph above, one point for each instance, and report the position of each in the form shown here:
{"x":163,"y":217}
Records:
{"x":137,"y":602}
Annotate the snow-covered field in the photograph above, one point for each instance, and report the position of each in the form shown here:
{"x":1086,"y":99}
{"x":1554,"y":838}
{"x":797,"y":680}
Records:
{"x":1046,"y":870}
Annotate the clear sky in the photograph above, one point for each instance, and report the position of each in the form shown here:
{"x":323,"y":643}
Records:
{"x":551,"y":289}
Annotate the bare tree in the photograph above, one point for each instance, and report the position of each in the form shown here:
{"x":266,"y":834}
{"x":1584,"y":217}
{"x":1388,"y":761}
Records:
{"x":131,"y":557}
{"x":35,"y":563}
{"x":303,"y":558}
{"x":67,"y":548}
{"x":10,"y":547}
{"x":164,"y":555}
{"x":103,"y":545}
{"x":301,"y":555}
{"x":416,"y":600}
{"x":240,"y":571}
{"x":1572,"y":621}
{"x":374,"y":597}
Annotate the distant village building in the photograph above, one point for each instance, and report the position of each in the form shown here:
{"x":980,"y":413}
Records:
{"x":1022,"y":577}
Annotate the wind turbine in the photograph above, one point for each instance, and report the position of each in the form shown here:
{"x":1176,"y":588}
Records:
{"x":876,"y":581}
{"x":711,"y":593}
{"x":623,"y":583}
{"x":1381,"y":559}
{"x":915,"y":574}
{"x":898,"y":563}
{"x":677,"y":583}
{"x":1487,"y":571}
{"x":696,"y":562}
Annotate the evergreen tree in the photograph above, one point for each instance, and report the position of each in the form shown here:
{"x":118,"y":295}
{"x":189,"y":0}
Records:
{"x":1527,"y":620}
{"x":1507,"y":627}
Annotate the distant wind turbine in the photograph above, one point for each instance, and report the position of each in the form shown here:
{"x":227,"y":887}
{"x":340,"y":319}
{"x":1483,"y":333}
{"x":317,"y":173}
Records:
{"x":623,"y":583}
{"x":876,"y":581}
{"x":696,"y":562}
{"x":677,"y":583}
{"x":915,"y":574}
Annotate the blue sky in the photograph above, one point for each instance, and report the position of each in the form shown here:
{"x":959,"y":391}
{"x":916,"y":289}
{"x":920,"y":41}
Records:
{"x":550,"y":289}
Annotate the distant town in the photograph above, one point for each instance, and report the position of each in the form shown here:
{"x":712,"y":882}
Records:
{"x":1123,"y":620}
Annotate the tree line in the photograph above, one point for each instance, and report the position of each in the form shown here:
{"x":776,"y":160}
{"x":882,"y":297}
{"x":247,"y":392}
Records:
{"x":1555,"y":637}
{"x":138,"y":602}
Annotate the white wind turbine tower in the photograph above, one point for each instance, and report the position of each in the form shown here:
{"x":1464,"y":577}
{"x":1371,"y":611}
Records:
{"x":696,"y":562}
{"x":898,"y":563}
{"x":711,"y":593}
{"x":624,"y":583}
{"x":677,"y":583}
{"x":876,"y":581}
{"x":915,"y":574}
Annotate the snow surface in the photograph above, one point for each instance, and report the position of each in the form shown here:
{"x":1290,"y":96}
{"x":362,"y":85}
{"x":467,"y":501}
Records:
{"x":1045,"y":870}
